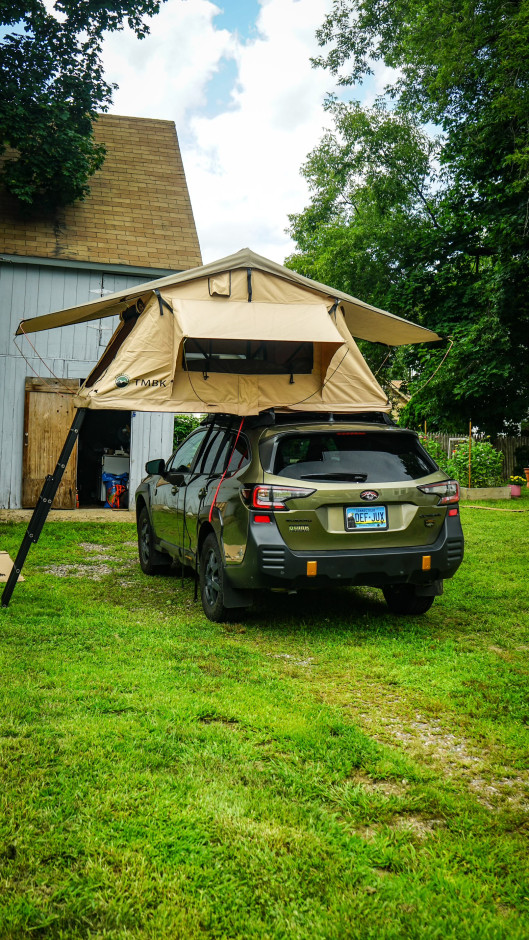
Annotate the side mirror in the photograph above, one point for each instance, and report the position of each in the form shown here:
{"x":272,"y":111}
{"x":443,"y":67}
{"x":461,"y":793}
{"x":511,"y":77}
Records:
{"x":153,"y":467}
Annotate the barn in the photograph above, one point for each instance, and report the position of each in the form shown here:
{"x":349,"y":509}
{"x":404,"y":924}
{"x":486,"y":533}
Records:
{"x":136,"y":225}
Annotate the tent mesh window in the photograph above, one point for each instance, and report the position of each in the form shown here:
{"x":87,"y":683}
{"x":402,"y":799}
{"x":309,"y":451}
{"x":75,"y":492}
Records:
{"x":251,"y":357}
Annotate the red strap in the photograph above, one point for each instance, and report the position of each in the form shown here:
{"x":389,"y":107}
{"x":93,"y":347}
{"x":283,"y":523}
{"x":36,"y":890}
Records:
{"x":226,"y":470}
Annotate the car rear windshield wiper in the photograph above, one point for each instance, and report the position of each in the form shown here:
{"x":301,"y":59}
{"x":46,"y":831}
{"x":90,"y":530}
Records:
{"x":338,"y":477}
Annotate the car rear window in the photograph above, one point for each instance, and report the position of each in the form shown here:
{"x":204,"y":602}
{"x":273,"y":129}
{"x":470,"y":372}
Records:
{"x":351,"y":456}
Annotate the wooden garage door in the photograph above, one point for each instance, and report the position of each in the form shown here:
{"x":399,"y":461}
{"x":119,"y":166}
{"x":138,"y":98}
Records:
{"x":49,"y":412}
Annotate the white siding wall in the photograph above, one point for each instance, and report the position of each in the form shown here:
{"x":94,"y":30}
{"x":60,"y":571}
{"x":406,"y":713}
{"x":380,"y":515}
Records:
{"x":70,"y":352}
{"x":151,"y":436}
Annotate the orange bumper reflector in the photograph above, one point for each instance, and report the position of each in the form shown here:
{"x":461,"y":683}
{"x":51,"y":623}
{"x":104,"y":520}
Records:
{"x":312,"y":569}
{"x":426,"y":562}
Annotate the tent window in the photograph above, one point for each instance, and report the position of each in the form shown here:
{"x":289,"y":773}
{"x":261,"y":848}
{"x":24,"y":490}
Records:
{"x":250,"y":357}
{"x":220,"y":285}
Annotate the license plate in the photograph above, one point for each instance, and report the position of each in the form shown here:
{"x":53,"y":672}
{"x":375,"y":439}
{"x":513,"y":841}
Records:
{"x":365,"y":518}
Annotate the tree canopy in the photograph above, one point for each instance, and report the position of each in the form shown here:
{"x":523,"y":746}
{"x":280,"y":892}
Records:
{"x":421,"y":202}
{"x":52,"y":86}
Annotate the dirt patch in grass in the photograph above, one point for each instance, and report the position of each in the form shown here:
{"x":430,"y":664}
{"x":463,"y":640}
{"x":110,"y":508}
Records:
{"x":222,"y":719}
{"x":387,"y":787}
{"x":91,"y":572}
{"x":72,"y":515}
{"x":95,"y":550}
{"x":458,"y":757}
{"x":292,"y":659}
{"x":418,"y":825}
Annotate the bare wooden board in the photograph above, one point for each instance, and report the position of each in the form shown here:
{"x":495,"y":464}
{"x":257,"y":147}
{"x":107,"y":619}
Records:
{"x":49,"y":413}
{"x":5,"y":568}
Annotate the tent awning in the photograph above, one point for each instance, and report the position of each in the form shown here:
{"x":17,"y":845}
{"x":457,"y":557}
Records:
{"x":363,"y":320}
{"x":257,"y":321}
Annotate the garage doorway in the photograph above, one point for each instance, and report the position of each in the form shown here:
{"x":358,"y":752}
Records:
{"x":104,"y":446}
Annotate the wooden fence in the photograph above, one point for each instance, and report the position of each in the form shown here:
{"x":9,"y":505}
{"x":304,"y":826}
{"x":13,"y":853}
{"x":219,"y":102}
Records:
{"x":507,"y":445}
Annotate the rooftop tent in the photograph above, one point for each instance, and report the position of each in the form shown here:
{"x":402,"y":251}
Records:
{"x":239,"y":335}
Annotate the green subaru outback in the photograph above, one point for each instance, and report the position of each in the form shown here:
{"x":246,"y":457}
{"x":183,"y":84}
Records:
{"x":290,"y":502}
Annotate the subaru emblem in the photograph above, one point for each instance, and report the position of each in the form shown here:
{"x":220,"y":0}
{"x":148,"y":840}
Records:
{"x":369,"y":495}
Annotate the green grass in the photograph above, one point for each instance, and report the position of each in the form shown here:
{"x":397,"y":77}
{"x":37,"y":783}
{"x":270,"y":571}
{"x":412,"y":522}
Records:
{"x":321,"y":770}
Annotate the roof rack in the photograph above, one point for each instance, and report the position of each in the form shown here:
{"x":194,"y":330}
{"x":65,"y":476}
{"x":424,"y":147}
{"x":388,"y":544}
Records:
{"x":271,"y":417}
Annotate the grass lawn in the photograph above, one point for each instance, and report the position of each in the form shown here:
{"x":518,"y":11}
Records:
{"x":321,"y":770}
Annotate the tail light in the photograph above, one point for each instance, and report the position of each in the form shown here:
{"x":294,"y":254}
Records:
{"x":446,"y":490}
{"x":272,"y":497}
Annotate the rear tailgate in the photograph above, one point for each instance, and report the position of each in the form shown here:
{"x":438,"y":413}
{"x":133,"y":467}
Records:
{"x":338,"y":518}
{"x":364,"y":488}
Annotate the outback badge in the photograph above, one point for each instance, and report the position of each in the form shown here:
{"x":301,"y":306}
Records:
{"x":369,"y":495}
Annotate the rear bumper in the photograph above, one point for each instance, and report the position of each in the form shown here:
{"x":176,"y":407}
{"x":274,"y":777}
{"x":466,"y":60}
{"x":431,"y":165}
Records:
{"x":268,"y":562}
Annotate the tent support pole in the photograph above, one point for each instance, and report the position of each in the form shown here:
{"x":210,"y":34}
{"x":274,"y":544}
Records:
{"x":44,"y":504}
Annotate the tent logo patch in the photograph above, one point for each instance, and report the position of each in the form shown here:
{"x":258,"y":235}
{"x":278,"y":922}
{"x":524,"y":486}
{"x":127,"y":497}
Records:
{"x":122,"y":381}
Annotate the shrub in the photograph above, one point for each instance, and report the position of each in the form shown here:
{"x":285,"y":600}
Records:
{"x":486,"y":464}
{"x":435,"y":450}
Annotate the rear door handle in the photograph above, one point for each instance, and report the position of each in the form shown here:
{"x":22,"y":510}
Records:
{"x":174,"y":490}
{"x":203,"y":492}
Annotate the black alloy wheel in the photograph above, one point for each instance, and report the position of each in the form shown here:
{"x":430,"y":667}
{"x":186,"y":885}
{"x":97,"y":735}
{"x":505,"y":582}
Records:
{"x":403,"y":599}
{"x":211,"y":581}
{"x":151,"y":560}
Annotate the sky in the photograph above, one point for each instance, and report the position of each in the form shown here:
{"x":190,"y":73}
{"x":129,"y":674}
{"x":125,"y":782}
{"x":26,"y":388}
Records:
{"x":236,"y":79}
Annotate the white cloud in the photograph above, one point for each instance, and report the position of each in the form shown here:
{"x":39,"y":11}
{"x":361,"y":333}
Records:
{"x":166,"y":74}
{"x":242,"y":164}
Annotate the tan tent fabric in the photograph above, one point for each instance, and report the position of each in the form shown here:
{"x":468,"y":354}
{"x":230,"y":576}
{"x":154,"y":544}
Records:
{"x":279,"y":286}
{"x":147,"y":371}
{"x":240,"y":335}
{"x":241,"y":320}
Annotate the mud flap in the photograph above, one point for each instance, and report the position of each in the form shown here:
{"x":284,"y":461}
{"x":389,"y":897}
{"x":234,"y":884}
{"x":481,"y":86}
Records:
{"x":435,"y":589}
{"x":233,"y":597}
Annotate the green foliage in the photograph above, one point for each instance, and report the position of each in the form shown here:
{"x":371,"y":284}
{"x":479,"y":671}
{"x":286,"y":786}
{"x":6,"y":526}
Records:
{"x":436,"y":451}
{"x":52,"y":83}
{"x":485,"y":464}
{"x":183,"y":425}
{"x":433,"y":228}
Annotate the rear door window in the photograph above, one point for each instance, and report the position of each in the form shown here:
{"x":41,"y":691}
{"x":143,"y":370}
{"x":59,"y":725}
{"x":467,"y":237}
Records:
{"x":351,"y":456}
{"x":224,"y":446}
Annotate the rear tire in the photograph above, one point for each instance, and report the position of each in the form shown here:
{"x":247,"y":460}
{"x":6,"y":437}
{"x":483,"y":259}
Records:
{"x":403,"y":599}
{"x":212,"y":581}
{"x":151,"y":560}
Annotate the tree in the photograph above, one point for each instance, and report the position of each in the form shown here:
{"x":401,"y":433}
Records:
{"x":435,"y":228}
{"x":53,"y":85}
{"x":183,"y":425}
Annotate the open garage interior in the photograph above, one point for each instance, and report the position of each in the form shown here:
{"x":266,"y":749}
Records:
{"x":104,"y":450}
{"x":103,"y":447}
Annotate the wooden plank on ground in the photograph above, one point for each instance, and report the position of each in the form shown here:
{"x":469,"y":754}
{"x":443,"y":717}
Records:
{"x":5,"y":568}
